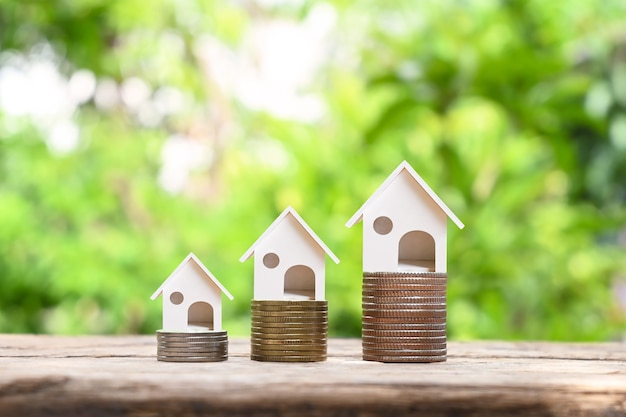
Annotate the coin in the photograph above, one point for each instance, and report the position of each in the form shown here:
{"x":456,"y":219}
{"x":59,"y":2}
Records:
{"x":392,"y":344}
{"x":425,"y":330}
{"x":405,"y":352}
{"x":193,"y":359}
{"x":367,"y":338}
{"x":191,"y":352}
{"x":288,"y":306}
{"x":304,"y":329}
{"x":196,"y":346}
{"x":291,"y":310}
{"x":192,"y":343}
{"x":288,"y":319}
{"x":382,"y":299}
{"x":294,"y":349}
{"x":422,"y":315}
{"x":375,"y":335}
{"x":371,"y":317}
{"x":427,"y":337}
{"x":405,"y":280}
{"x":288,"y":338}
{"x":404,"y":359}
{"x":192,"y":339}
{"x":406,"y":274}
{"x":305,"y":303}
{"x":192,"y":332}
{"x":290,"y":358}
{"x":292,"y":314}
{"x":403,"y":292}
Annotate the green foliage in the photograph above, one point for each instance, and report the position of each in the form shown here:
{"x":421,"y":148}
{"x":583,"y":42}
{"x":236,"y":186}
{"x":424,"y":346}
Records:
{"x":512,"y":111}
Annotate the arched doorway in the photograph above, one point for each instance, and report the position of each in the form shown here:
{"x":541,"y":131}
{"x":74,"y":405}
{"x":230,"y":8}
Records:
{"x":416,"y":252}
{"x":299,"y":283}
{"x":200,"y":315}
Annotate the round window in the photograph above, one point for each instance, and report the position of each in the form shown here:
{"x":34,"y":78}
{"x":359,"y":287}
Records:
{"x":271,"y":260}
{"x":383,"y":225}
{"x":176,"y":298}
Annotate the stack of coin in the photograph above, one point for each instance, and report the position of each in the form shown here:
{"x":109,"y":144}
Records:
{"x":404,"y":316}
{"x":289,"y":331}
{"x":192,"y":346}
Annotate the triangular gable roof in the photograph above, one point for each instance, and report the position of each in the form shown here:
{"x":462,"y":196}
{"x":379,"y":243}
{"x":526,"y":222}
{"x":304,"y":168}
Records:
{"x":279,"y":219}
{"x":194,"y":258}
{"x":404,"y":166}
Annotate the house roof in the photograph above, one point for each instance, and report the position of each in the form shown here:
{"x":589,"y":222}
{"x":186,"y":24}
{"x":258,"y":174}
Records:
{"x":289,"y":211}
{"x":193,"y":258}
{"x":404,"y":166}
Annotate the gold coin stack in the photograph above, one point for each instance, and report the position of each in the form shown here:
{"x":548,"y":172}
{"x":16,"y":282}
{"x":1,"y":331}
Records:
{"x":404,"y":316}
{"x":192,"y":346}
{"x":289,"y":331}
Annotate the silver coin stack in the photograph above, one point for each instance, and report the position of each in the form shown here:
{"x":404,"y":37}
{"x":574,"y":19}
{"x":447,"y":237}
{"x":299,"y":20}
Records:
{"x":404,"y":316}
{"x":192,"y":346}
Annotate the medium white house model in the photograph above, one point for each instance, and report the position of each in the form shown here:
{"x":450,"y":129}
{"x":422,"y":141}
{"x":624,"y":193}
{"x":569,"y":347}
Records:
{"x":404,"y":225}
{"x":192,"y":298}
{"x":289,"y":261}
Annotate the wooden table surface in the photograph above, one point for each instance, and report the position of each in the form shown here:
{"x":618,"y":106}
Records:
{"x":120,"y":376}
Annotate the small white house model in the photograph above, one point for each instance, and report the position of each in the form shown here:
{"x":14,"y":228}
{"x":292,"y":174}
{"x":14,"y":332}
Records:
{"x":404,"y":225}
{"x":192,"y":298}
{"x":289,"y":261}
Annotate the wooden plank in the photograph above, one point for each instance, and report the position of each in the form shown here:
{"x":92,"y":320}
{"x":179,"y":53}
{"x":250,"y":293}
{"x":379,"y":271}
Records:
{"x":107,"y":376}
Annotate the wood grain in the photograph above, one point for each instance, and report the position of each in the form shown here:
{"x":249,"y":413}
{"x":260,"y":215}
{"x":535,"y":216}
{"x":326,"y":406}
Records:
{"x":120,"y":376}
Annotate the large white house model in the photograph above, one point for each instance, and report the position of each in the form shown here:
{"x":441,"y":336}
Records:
{"x":404,"y":225}
{"x":289,"y":260}
{"x":192,"y":298}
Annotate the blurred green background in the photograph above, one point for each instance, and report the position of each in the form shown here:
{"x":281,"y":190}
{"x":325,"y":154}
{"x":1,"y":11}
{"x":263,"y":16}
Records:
{"x":134,"y":132}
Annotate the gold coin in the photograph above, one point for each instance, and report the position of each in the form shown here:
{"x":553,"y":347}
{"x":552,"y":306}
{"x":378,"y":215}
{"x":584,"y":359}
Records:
{"x":304,"y":329}
{"x":192,"y":338}
{"x":288,"y":336}
{"x":291,"y":308}
{"x":290,"y":314}
{"x":193,"y":333}
{"x":193,"y":359}
{"x":265,"y":322}
{"x":289,"y":320}
{"x":291,"y":358}
{"x":287,"y":350}
{"x":304,"y":303}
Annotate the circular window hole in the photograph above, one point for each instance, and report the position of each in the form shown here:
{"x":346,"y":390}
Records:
{"x":176,"y":298}
{"x":271,"y":260}
{"x":383,"y":225}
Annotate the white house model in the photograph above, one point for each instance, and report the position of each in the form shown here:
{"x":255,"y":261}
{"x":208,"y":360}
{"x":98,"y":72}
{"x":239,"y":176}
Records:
{"x":289,"y":261}
{"x":192,"y":298}
{"x":404,"y":225}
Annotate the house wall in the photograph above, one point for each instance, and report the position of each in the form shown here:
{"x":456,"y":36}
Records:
{"x":294,"y":246}
{"x":192,"y":283}
{"x":410,"y":208}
